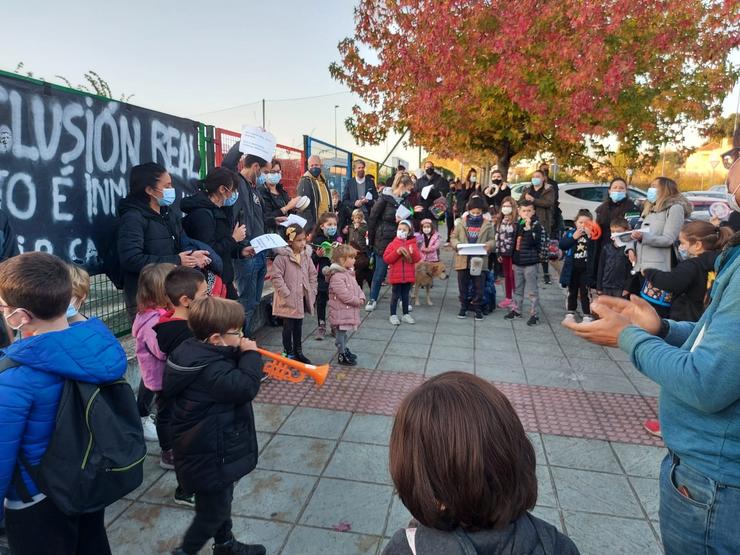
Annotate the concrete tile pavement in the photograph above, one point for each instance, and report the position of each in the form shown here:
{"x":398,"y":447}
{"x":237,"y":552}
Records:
{"x":322,"y":484}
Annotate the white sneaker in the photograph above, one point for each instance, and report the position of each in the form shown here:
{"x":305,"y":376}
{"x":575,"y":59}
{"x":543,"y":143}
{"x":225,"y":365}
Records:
{"x":570,"y":317}
{"x":587,"y":318}
{"x":150,"y":428}
{"x":394,"y":320}
{"x":407,"y":319}
{"x":411,"y":308}
{"x":370,"y":306}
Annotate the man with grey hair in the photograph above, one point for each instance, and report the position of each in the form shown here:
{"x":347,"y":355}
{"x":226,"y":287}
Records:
{"x":314,"y":186}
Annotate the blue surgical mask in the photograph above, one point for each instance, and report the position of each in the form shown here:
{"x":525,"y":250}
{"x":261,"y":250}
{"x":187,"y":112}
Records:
{"x":231,"y":201}
{"x":261,"y":179}
{"x":168,"y":197}
{"x":315,"y":172}
{"x":274,"y":178}
{"x":617,"y":196}
{"x":71,"y":311}
{"x":683,"y":254}
{"x":652,"y":194}
{"x":330,"y":231}
{"x":536,"y":181}
{"x":475,"y":221}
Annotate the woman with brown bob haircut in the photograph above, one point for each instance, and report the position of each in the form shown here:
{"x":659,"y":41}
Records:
{"x":465,"y":469}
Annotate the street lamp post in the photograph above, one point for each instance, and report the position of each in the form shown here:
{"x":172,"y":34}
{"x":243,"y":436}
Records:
{"x":335,"y":129}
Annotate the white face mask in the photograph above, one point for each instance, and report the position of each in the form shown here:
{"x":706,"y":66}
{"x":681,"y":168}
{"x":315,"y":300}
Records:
{"x":506,"y":210}
{"x":402,"y":234}
{"x":9,"y":316}
{"x":427,"y":230}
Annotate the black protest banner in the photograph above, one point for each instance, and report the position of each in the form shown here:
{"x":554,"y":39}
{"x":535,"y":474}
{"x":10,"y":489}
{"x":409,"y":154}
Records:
{"x":65,"y":158}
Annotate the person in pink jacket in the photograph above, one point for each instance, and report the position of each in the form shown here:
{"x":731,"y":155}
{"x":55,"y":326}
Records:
{"x":295,"y":281}
{"x":345,"y":299}
{"x":428,"y":241}
{"x":151,"y":304}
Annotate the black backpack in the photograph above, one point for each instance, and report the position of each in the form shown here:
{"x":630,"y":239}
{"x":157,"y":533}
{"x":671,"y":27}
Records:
{"x":96,"y":452}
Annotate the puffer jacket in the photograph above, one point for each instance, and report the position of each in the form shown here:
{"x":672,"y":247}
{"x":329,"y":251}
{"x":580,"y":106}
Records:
{"x":272,"y":206}
{"x":295,"y":284}
{"x":145,"y":237}
{"x":528,"y":535}
{"x":614,"y":268}
{"x":345,"y":296}
{"x":544,"y":204}
{"x":399,"y":270}
{"x":429,"y":252}
{"x":656,"y":248}
{"x":528,"y":245}
{"x":29,"y":393}
{"x":460,"y":236}
{"x":381,"y":226}
{"x":211,"y":225}
{"x":322,"y":262}
{"x":150,"y":358}
{"x":688,"y":283}
{"x":211,"y":388}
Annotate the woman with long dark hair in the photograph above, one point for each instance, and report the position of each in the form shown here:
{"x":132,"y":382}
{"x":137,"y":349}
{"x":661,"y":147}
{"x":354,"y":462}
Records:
{"x":207,"y":221}
{"x":276,"y":202}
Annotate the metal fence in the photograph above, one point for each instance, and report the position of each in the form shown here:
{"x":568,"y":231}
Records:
{"x":107,"y":303}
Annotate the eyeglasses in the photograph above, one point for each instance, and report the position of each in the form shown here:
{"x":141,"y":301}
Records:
{"x":239,"y":333}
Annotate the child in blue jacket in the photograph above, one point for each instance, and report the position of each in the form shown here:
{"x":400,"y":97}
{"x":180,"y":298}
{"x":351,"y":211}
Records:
{"x":35,"y":292}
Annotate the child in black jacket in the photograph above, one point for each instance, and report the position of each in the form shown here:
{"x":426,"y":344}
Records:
{"x":578,"y":273}
{"x":326,"y":232}
{"x":613,"y":273}
{"x":529,"y":243}
{"x":700,"y":244}
{"x":212,"y":379}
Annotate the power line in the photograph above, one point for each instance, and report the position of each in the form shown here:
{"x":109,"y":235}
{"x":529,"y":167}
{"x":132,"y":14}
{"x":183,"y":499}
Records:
{"x":271,"y":100}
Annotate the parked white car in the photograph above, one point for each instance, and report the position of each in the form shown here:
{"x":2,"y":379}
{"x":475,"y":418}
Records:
{"x":575,"y":196}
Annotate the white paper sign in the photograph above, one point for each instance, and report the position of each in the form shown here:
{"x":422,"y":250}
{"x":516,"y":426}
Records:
{"x":402,"y":212}
{"x":267,"y":241}
{"x":472,"y":249}
{"x":369,"y":196}
{"x":425,"y":191}
{"x":294,"y":219}
{"x":258,"y":142}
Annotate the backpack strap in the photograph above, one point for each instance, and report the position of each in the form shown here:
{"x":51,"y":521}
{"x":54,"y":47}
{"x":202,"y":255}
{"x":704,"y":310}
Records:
{"x":465,"y":543}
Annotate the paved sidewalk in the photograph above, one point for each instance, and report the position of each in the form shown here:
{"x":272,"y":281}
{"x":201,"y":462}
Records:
{"x":322,"y":483}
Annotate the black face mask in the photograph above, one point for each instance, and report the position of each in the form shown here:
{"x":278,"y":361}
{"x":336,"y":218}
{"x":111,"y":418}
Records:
{"x":498,"y":181}
{"x":430,"y":172}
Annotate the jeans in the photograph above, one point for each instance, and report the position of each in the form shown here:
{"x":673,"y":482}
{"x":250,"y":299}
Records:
{"x":42,"y":529}
{"x":341,"y":341}
{"x":526,"y":286}
{"x":381,"y":269}
{"x":704,"y":522}
{"x":292,"y":332}
{"x":400,"y":292}
{"x":250,"y":278}
{"x":212,"y":520}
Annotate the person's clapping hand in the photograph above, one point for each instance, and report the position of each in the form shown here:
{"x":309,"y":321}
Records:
{"x":614,"y":316}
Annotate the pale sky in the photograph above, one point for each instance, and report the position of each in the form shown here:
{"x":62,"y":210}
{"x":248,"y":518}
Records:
{"x":199,"y":59}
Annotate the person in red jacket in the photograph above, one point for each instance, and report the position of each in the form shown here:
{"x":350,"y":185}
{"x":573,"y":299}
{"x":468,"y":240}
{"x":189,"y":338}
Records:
{"x":402,"y":254}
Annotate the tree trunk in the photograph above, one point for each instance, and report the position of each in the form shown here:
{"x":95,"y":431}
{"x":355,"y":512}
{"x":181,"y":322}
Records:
{"x":503,"y":159}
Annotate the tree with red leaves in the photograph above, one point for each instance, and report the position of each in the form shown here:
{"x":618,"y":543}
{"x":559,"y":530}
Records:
{"x":482,"y":78}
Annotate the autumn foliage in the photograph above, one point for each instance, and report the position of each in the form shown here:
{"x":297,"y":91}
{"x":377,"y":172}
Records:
{"x":504,"y":77}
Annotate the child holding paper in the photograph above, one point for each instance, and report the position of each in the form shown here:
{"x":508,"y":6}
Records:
{"x":472,"y":228}
{"x":402,"y":254}
{"x":294,"y":280}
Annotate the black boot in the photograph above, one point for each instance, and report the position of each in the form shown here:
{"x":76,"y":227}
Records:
{"x":233,"y":547}
{"x":350,"y":354}
{"x":344,"y":360}
{"x":300,"y":357}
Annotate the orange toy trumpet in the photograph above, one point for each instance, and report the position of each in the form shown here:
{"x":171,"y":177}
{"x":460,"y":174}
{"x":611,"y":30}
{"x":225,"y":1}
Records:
{"x":289,"y":370}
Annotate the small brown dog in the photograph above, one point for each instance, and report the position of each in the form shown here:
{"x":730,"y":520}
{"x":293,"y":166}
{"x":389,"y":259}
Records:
{"x":425,"y":274}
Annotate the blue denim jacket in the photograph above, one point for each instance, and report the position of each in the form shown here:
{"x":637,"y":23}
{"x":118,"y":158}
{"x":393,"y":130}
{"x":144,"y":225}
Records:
{"x":698,"y":369}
